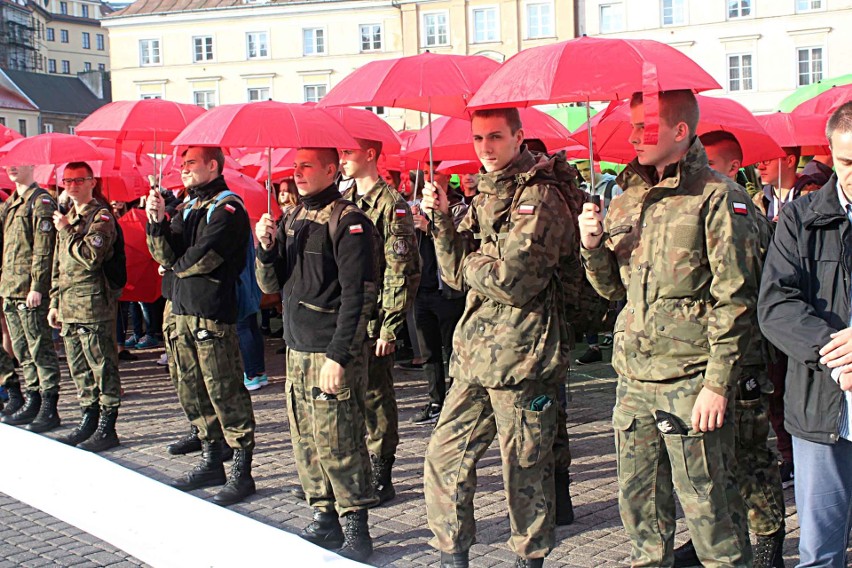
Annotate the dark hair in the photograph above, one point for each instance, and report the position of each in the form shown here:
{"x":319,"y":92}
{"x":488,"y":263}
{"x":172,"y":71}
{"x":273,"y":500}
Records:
{"x":370,"y":144}
{"x":535,"y":145}
{"x":723,"y":138}
{"x":209,"y":153}
{"x":510,"y":114}
{"x":841,"y":120}
{"x":793,"y":151}
{"x":675,"y":106}
{"x":97,"y":191}
{"x":326,"y":156}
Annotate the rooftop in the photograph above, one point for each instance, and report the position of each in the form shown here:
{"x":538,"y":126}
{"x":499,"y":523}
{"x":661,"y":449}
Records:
{"x":56,"y":93}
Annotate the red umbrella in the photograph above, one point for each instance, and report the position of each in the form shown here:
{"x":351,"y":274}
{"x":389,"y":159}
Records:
{"x":360,"y":123}
{"x":120,"y":182}
{"x":429,"y":82}
{"x":253,"y":193}
{"x":825,"y":103}
{"x":790,"y":129}
{"x":611,"y":130}
{"x":256,"y":164}
{"x":49,"y":149}
{"x":459,"y":167}
{"x":452,"y":140}
{"x":7,"y":135}
{"x":146,"y":120}
{"x":144,"y":284}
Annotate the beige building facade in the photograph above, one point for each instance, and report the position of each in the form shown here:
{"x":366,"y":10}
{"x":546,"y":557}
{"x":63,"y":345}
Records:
{"x":74,"y":41}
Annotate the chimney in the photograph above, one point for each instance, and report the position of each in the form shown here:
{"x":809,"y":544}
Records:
{"x":94,"y":80}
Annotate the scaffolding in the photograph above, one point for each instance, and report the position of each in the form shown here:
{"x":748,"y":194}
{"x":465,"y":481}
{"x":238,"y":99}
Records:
{"x":18,"y":39}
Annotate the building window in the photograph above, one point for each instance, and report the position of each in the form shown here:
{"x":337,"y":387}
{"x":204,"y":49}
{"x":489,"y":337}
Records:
{"x":205,"y":99}
{"x":66,"y":67}
{"x":51,"y":66}
{"x":810,"y":65}
{"x":147,"y":96}
{"x":46,"y":128}
{"x":85,"y":11}
{"x":740,"y":72}
{"x":63,"y":36}
{"x":612,"y":18}
{"x":436,"y":29}
{"x":22,"y":127}
{"x":808,"y":5}
{"x":149,"y":52}
{"x":99,"y":41}
{"x":87,"y":66}
{"x":313,"y":93}
{"x":314,"y":41}
{"x":484,"y":21}
{"x":63,"y":8}
{"x":87,"y":40}
{"x":371,"y":37}
{"x":202,"y":48}
{"x":380,"y":110}
{"x":258,"y":94}
{"x":101,"y":67}
{"x":674,"y":12}
{"x":2,"y":121}
{"x":739,"y":9}
{"x":51,"y":34}
{"x":72,"y":130}
{"x":257,"y":45}
{"x":539,"y":20}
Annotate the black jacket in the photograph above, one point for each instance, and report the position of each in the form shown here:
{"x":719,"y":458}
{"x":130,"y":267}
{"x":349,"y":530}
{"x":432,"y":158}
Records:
{"x":328,"y":282}
{"x":804,"y":298}
{"x":205,"y":258}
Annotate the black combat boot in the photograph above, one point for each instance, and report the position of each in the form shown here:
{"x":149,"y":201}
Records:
{"x":529,"y":562}
{"x":454,"y":560}
{"x":85,"y":429}
{"x":208,"y":473}
{"x":685,"y":555}
{"x":187,"y":445}
{"x":381,"y":479}
{"x":15,"y":402}
{"x":104,"y":437}
{"x":26,"y":413}
{"x":48,"y":416}
{"x":769,"y":550}
{"x":324,"y":530}
{"x":240,"y":484}
{"x":357,"y":544}
{"x":564,"y":507}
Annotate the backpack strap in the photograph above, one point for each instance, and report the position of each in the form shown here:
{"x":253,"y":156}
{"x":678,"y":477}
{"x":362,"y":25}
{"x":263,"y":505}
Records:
{"x":608,"y":192}
{"x":218,"y":199}
{"x":187,"y":206}
{"x":336,"y":213}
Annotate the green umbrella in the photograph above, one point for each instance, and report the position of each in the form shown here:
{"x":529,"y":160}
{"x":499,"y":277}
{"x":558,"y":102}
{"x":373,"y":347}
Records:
{"x":571,"y":117}
{"x":808,"y":92}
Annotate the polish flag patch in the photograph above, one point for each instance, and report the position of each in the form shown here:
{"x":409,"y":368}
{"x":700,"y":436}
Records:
{"x":739,"y":208}
{"x":230,"y":208}
{"x":104,"y":217}
{"x":399,"y":213}
{"x":356,"y":229}
{"x":526,"y":209}
{"x":46,"y":200}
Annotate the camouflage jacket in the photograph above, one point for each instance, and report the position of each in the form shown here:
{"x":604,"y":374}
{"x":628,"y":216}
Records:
{"x":513,"y":327}
{"x":28,"y":240}
{"x":684,"y":253}
{"x":80,"y":289}
{"x":399,"y":266}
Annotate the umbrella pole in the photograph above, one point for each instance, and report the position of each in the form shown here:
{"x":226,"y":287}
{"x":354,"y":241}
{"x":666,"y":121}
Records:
{"x":269,"y":181}
{"x":431,"y":162}
{"x":416,"y":183}
{"x":591,"y":150}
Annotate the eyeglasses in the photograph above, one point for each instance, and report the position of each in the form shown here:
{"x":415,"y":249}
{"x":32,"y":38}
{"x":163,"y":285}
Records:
{"x":76,"y":181}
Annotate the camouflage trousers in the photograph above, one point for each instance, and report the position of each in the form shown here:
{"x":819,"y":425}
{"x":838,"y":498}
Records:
{"x":561,"y":448}
{"x":699,"y":465}
{"x":8,"y":377}
{"x":470,"y":419}
{"x":32,"y":343}
{"x":329,"y":434}
{"x":92,"y":355}
{"x":168,"y":331}
{"x":757,"y":468}
{"x":210,"y":380}
{"x":382,"y":413}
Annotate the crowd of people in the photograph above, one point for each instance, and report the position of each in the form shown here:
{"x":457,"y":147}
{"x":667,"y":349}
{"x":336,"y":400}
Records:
{"x":710,"y":297}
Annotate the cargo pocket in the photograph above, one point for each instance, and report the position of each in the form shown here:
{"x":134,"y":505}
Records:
{"x":690,"y":451}
{"x":334,"y":431}
{"x":537,"y":431}
{"x":292,"y":409}
{"x":394,"y":292}
{"x":625,"y":444}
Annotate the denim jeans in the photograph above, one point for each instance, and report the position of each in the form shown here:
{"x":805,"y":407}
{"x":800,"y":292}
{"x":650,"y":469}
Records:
{"x":251,"y":346}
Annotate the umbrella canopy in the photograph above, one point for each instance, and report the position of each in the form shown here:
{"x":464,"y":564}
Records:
{"x":7,"y":135}
{"x":143,"y":281}
{"x":808,"y":92}
{"x":430,"y":82}
{"x":50,"y":148}
{"x":791,"y":129}
{"x":826,"y":103}
{"x":147,"y":120}
{"x":459,"y":167}
{"x":611,"y":130}
{"x":266,"y":124}
{"x":256,"y":165}
{"x":571,"y":117}
{"x":452,"y":140}
{"x":360,"y":123}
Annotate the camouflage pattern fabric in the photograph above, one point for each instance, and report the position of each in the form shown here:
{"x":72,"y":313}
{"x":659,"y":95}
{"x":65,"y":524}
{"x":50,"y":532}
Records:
{"x":381,"y":411}
{"x":32,"y":343}
{"x":92,"y":355}
{"x":28,"y":240}
{"x":328,"y":434}
{"x":210,"y":380}
{"x":8,"y":377}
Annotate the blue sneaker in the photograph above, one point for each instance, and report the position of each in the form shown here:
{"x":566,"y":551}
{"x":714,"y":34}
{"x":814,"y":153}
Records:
{"x":131,"y":342}
{"x":147,"y":342}
{"x":256,"y":382}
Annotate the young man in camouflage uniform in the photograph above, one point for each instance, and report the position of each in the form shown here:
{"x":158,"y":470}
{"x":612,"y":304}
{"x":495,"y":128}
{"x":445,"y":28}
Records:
{"x":320,"y":257}
{"x":681,"y":245}
{"x":28,"y":240}
{"x":84,"y":303}
{"x":204,"y":247}
{"x":398,"y":269}
{"x":511,"y":346}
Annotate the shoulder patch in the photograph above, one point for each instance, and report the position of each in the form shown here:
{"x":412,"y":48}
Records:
{"x":356,"y":229}
{"x":97,"y":241}
{"x":400,"y":247}
{"x":230,"y":208}
{"x":739,"y":208}
{"x":104,"y":217}
{"x":526,"y":209}
{"x":45,"y":226}
{"x":46,"y":200}
{"x":399,"y":212}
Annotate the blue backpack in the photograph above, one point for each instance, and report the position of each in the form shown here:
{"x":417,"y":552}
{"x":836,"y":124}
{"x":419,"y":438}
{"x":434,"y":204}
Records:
{"x":248,"y":291}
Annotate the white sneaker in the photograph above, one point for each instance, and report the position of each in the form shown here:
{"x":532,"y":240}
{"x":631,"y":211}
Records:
{"x":163,"y":361}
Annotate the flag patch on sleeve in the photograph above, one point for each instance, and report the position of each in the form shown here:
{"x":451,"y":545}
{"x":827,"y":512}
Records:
{"x":739,"y":208}
{"x":104,"y":217}
{"x":230,"y":208}
{"x":46,"y":200}
{"x":399,"y":213}
{"x":356,"y":229}
{"x":526,"y":209}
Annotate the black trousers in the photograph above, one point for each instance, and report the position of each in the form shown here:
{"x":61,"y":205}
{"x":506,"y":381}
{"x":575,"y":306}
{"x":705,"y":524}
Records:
{"x":436,"y":318}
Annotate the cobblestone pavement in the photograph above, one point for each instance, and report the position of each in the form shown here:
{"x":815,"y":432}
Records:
{"x":150,"y":418}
